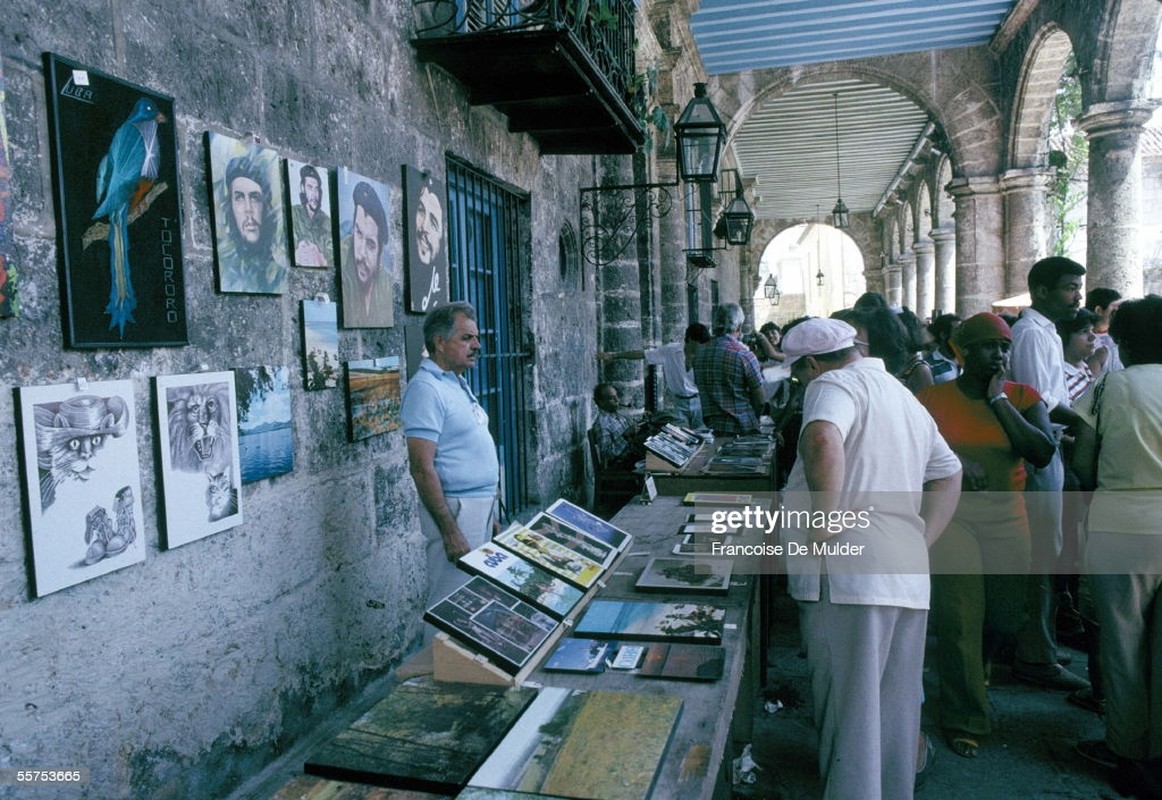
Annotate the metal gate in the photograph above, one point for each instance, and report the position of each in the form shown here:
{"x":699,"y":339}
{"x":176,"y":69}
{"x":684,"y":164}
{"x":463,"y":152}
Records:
{"x":488,"y":262}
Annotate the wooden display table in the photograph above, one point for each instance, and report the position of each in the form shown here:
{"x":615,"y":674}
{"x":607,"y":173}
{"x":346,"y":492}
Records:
{"x":697,"y":762}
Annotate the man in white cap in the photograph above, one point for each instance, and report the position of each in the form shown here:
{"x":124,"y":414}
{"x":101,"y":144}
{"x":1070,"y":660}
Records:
{"x":873,"y":465}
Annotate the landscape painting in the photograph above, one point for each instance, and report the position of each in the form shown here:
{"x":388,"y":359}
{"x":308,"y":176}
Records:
{"x":677,"y":575}
{"x":308,"y":787}
{"x":557,"y":743}
{"x":493,"y":622}
{"x":118,"y":209}
{"x":567,"y":536}
{"x":82,"y":481}
{"x":321,"y":363}
{"x":527,"y":581}
{"x":630,"y":619}
{"x":373,"y":396}
{"x":200,"y":465}
{"x":557,"y":559}
{"x":424,"y":735}
{"x":266,"y":445}
{"x":684,"y":662}
{"x":589,"y":523}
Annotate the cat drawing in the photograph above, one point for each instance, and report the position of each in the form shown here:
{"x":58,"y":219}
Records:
{"x":221,"y":496}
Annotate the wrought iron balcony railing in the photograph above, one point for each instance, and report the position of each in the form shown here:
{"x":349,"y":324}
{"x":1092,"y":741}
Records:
{"x":592,"y":38}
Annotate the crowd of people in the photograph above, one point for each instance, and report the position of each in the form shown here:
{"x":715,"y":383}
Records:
{"x":1031,"y":447}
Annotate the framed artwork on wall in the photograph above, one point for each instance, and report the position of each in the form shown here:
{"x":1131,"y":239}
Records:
{"x":364,"y":257}
{"x":118,"y":210}
{"x":266,"y":442}
{"x":82,"y":481}
{"x":312,"y":243}
{"x":198,"y":442}
{"x":246,"y":193}
{"x":320,"y":344}
{"x":9,"y":303}
{"x":373,"y":396}
{"x":425,"y":212}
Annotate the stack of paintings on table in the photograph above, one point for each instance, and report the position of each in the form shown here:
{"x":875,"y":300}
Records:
{"x":717,"y":499}
{"x":308,"y":787}
{"x":746,"y":455}
{"x":425,"y":735}
{"x":557,"y":744}
{"x":674,"y":445}
{"x":526,"y":580}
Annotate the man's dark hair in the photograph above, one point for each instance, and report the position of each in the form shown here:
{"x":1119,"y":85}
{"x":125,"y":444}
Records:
{"x":767,"y":327}
{"x":442,"y":319}
{"x":1048,"y":271}
{"x":1137,"y":328}
{"x":869,"y":301}
{"x":697,"y":332}
{"x":941,"y":327}
{"x":1101,"y":297}
{"x":599,"y":388}
{"x":366,"y":198}
{"x":1067,"y":327}
{"x":253,"y":167}
{"x":308,"y":171}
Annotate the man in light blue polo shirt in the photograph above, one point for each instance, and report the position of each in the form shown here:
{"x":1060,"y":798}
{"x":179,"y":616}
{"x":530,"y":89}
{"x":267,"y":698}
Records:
{"x":451,"y":453}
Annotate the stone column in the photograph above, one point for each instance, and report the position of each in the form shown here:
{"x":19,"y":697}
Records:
{"x":980,"y":244}
{"x":907,"y":281}
{"x":1026,"y":223}
{"x":893,"y":285}
{"x":944,"y":245}
{"x":1113,"y":252}
{"x":925,"y":273}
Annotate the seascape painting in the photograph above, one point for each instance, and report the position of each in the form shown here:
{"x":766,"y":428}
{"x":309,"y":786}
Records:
{"x":200,"y":466}
{"x":82,"y":481}
{"x":266,"y":444}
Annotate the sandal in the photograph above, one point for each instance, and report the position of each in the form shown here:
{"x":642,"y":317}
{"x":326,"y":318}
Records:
{"x":963,"y":744}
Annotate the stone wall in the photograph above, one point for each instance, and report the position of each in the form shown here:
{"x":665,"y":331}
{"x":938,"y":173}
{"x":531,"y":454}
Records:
{"x":179,"y":676}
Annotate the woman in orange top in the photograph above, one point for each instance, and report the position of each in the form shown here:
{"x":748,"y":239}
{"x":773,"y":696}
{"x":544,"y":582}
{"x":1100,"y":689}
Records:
{"x":979,"y":563}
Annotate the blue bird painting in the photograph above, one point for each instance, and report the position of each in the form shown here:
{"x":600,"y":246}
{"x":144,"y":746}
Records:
{"x":125,"y":175}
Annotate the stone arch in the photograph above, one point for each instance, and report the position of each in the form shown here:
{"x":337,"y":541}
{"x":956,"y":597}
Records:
{"x":1036,"y":88}
{"x":1123,"y":52}
{"x":966,"y":113}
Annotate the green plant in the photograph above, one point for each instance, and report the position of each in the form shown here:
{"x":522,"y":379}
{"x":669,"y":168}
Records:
{"x":1069,"y":157}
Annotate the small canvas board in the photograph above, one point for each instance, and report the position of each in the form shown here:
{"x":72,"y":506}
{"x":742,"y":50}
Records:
{"x":696,"y":623}
{"x":684,"y":662}
{"x":579,"y":655}
{"x":426,"y":735}
{"x":566,"y":535}
{"x":556,"y":745}
{"x":681,"y":575}
{"x":589,"y":523}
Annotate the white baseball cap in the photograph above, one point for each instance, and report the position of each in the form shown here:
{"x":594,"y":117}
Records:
{"x":816,"y":336}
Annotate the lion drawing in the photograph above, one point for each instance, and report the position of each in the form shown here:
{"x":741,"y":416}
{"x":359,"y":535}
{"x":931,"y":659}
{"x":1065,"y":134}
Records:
{"x":200,"y":429}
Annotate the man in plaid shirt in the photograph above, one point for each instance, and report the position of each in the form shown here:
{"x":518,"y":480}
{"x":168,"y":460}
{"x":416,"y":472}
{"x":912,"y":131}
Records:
{"x":729,"y":378}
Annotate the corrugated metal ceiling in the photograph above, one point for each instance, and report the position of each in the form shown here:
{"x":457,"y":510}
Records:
{"x":787,"y":145}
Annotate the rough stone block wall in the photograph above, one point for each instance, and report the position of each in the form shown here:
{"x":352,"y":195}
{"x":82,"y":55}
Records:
{"x":180,"y":676}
